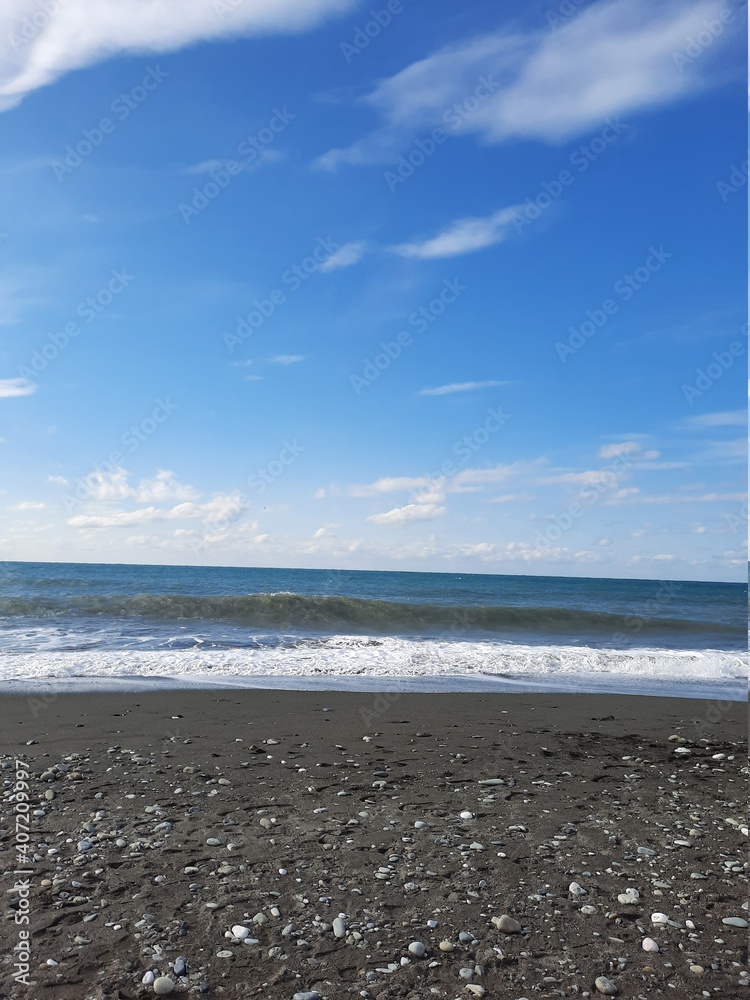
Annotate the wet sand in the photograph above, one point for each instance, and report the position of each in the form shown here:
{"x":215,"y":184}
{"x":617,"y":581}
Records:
{"x":329,"y":826}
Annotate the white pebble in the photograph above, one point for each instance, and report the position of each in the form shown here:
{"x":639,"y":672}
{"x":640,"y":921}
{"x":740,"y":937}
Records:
{"x":648,"y":944}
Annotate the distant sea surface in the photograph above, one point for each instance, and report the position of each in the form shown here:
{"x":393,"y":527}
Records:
{"x":69,"y":626}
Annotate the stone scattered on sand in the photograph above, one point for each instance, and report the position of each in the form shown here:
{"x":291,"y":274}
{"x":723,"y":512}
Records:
{"x":339,"y":927}
{"x":577,"y":890}
{"x":648,"y":944}
{"x":163,"y":986}
{"x":734,"y":921}
{"x":240,"y":932}
{"x":506,"y":924}
{"x":606,"y":986}
{"x":418,"y":949}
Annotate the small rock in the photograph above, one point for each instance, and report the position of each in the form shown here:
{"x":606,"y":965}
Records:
{"x":446,"y":946}
{"x":339,"y":927}
{"x":417,"y":948}
{"x":240,"y":932}
{"x":163,"y":985}
{"x":734,"y":921}
{"x":606,"y":986}
{"x":648,"y":944}
{"x":577,"y":890}
{"x":310,"y":995}
{"x":180,"y":966}
{"x":659,"y":918}
{"x":507,"y":924}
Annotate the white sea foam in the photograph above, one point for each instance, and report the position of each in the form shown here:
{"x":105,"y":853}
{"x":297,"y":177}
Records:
{"x":344,"y":658}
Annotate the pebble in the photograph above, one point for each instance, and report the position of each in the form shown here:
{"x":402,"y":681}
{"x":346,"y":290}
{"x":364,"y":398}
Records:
{"x":734,"y":921}
{"x":240,"y":932}
{"x":163,"y":985}
{"x":310,"y":995}
{"x":507,"y":924}
{"x":466,"y":814}
{"x":148,"y":978}
{"x":446,"y":946}
{"x":339,"y":927}
{"x":418,"y":949}
{"x":606,"y":986}
{"x":659,"y":918}
{"x":648,"y":944}
{"x":577,"y":890}
{"x":180,"y":966}
{"x":225,"y":954}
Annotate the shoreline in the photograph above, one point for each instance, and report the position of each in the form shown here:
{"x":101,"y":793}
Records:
{"x":332,"y":830}
{"x":600,"y":684}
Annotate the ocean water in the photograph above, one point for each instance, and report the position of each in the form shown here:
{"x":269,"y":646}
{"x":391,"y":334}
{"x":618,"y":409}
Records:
{"x":80,"y":626}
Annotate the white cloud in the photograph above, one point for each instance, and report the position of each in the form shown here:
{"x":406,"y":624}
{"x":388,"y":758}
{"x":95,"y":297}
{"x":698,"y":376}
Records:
{"x":388,"y":484}
{"x":287,"y":359}
{"x":511,"y":498}
{"x":345,"y":256}
{"x":163,"y":486}
{"x":29,"y":505}
{"x":589,"y":477}
{"x":252,"y":378}
{"x":79,"y":33}
{"x":613,"y":58}
{"x":225,"y":507}
{"x":58,"y":480}
{"x":115,"y":485}
{"x":462,"y":236}
{"x":444,"y":390}
{"x":729,"y":418}
{"x":623,"y":448}
{"x":497,"y":474}
{"x":10,"y":387}
{"x":408,"y":514}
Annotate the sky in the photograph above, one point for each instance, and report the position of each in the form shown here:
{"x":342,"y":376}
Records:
{"x":323,"y":283}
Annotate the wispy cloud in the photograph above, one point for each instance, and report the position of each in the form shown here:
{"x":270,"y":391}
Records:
{"x":287,"y":359}
{"x":444,"y":390}
{"x":612,"y":58}
{"x":408,"y":514}
{"x":345,"y":256}
{"x":729,"y":418}
{"x":10,"y":387}
{"x":463,"y":236}
{"x":78,"y":34}
{"x":388,"y":484}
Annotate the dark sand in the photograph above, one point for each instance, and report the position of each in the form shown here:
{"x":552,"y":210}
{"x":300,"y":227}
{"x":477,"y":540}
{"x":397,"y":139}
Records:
{"x":587,"y":781}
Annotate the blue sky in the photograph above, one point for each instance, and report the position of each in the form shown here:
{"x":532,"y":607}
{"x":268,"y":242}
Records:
{"x":452,"y":288}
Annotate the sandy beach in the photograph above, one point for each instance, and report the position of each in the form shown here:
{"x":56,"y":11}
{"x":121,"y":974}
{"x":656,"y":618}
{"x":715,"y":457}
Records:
{"x":262,"y":843}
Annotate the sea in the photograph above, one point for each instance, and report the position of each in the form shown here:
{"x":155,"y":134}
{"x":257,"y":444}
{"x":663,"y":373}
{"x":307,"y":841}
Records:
{"x":79,"y":627}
